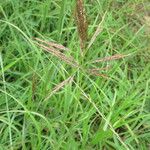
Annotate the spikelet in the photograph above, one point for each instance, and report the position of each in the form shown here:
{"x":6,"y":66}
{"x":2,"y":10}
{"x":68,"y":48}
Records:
{"x":59,"y":86}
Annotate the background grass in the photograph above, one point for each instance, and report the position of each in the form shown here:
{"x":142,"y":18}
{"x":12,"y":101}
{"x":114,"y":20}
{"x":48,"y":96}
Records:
{"x":91,"y":112}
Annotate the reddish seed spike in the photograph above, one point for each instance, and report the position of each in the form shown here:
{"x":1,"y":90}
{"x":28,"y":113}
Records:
{"x":81,"y":23}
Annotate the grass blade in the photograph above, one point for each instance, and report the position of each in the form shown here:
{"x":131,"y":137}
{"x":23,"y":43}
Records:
{"x":97,"y":32}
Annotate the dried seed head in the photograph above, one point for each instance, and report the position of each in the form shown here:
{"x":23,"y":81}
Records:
{"x":54,"y":49}
{"x":52,"y":44}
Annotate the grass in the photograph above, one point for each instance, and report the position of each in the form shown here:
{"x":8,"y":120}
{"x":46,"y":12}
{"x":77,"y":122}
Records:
{"x":47,"y":104}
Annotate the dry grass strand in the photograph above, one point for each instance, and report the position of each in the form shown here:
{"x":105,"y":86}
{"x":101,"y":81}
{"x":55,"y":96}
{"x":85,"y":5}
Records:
{"x":110,"y":58}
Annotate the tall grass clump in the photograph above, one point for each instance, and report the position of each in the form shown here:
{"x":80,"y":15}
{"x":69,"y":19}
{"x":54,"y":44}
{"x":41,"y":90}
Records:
{"x":74,"y":75}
